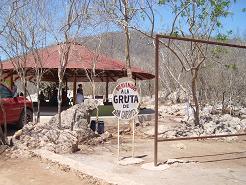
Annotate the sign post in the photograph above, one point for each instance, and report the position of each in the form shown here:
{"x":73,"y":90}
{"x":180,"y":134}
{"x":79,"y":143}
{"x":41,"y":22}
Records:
{"x":126,"y":102}
{"x":133,"y":137}
{"x":118,"y":139}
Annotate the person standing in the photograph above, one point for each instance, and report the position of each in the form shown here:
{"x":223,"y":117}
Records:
{"x":80,"y":94}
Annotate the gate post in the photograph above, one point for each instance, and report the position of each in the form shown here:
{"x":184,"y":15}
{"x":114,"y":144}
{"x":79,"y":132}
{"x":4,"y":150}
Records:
{"x":156,"y":97}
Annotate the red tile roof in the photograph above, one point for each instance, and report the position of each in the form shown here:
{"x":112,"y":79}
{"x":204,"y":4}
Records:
{"x":80,"y":57}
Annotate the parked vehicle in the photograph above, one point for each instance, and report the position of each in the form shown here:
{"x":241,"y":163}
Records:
{"x":13,"y":107}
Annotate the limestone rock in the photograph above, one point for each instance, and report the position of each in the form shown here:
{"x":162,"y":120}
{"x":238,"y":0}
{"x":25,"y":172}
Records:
{"x":74,"y":131}
{"x":211,"y":124}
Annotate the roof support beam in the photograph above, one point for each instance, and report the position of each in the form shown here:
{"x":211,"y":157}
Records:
{"x":107,"y":89}
{"x":74,"y":86}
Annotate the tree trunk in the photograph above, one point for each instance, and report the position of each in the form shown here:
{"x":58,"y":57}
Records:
{"x":5,"y":125}
{"x":3,"y":135}
{"x":223,"y":103}
{"x":24,"y":94}
{"x":194,"y":96}
{"x":38,"y":108}
{"x":127,"y":36}
{"x":59,"y":98}
{"x":2,"y":138}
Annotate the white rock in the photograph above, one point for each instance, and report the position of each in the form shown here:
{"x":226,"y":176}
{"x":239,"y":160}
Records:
{"x":130,"y":161}
{"x":226,"y":117}
{"x":243,"y":123}
{"x":172,"y":161}
{"x":180,"y":146}
{"x":49,"y":136}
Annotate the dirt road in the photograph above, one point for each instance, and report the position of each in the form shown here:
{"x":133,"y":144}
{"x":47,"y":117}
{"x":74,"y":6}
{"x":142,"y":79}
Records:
{"x":34,"y":172}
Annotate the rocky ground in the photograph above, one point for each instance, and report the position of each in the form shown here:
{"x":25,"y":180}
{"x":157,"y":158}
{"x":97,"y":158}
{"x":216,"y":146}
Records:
{"x":181,"y":125}
{"x":175,"y":120}
{"x":73,"y":132}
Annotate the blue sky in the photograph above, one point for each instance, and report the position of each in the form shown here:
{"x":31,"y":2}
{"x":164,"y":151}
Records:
{"x":164,"y":18}
{"x":235,"y":22}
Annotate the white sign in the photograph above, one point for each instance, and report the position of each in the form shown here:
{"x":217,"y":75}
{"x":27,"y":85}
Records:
{"x":125,"y":100}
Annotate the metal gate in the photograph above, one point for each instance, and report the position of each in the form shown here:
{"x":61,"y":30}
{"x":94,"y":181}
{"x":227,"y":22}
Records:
{"x":157,"y":42}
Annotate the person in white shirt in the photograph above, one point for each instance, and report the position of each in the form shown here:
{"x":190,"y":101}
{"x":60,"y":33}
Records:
{"x":80,"y":94}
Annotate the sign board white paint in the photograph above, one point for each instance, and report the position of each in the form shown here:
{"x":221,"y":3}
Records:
{"x":125,"y":100}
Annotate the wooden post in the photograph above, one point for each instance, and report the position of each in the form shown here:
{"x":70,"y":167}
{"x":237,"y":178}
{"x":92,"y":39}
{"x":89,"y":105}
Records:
{"x":66,"y":85}
{"x":107,"y":90}
{"x":11,"y":81}
{"x":74,"y":87}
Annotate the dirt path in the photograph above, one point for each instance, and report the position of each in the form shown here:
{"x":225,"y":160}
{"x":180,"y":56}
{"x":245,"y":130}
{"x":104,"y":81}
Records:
{"x":34,"y":172}
{"x":218,"y":162}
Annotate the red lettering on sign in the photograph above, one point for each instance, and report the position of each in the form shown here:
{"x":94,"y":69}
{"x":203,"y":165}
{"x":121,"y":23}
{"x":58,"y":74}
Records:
{"x":126,"y":85}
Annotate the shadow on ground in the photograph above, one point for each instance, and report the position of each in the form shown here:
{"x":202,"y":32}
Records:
{"x":11,"y":129}
{"x":227,"y":156}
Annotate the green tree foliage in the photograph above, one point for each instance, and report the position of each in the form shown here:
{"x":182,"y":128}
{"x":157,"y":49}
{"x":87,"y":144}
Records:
{"x":197,"y":19}
{"x":231,"y":66}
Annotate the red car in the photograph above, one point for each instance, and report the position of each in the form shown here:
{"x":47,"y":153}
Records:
{"x":14,"y":108}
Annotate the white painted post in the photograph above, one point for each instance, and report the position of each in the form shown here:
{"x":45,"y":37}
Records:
{"x":118,"y":139}
{"x":133,"y":137}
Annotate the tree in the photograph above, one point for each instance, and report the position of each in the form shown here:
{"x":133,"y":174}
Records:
{"x":74,"y":20}
{"x":203,"y":19}
{"x":26,"y":33}
{"x":3,"y":135}
{"x":8,"y":10}
{"x":195,"y":19}
{"x":123,"y":13}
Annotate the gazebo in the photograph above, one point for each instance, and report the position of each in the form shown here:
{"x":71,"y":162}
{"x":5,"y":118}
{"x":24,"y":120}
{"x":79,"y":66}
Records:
{"x":82,"y":63}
